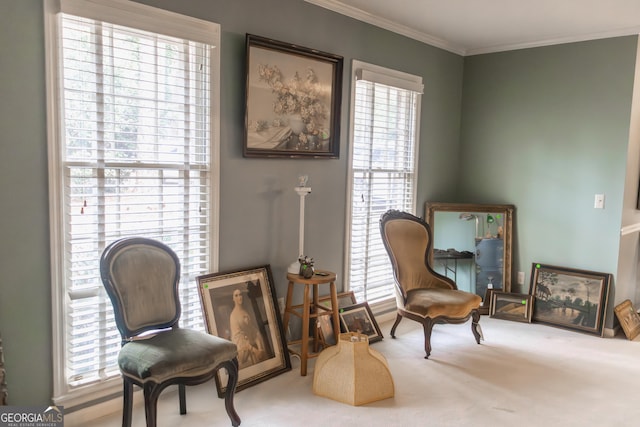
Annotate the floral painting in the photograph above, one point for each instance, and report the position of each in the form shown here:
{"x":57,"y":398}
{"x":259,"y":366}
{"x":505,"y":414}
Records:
{"x":292,"y":100}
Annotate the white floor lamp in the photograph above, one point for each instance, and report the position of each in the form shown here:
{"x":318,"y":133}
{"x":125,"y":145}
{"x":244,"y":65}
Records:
{"x":302,"y":191}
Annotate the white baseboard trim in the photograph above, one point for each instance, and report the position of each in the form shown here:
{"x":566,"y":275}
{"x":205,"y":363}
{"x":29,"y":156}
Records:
{"x":85,"y":416}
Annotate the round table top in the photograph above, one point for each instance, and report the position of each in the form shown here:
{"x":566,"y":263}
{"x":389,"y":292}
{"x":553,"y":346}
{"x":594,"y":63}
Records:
{"x":319,"y":276}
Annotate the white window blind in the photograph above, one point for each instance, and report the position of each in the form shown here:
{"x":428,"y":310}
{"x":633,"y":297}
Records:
{"x":134,"y":158}
{"x":383,"y":173}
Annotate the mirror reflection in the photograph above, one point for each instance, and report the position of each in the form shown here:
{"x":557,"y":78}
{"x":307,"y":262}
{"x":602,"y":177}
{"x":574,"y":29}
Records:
{"x":472,"y":244}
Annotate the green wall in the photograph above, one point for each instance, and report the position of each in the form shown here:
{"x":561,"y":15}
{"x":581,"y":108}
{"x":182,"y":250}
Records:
{"x":546,"y":129}
{"x":25,"y":284}
{"x":259,"y":208}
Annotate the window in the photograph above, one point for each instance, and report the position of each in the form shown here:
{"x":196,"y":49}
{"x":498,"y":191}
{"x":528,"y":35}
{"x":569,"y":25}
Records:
{"x":132,"y":152}
{"x":386,"y":111}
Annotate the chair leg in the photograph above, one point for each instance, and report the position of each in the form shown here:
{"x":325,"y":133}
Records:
{"x":427,"y":325}
{"x":475,"y":325}
{"x":232,"y":370}
{"x":127,"y":406}
{"x":395,"y":325}
{"x":182,"y":396}
{"x":151,"y":393}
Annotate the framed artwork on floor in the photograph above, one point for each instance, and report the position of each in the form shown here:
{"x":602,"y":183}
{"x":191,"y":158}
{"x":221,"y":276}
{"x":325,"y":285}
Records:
{"x":241,"y":306}
{"x":359,"y":318}
{"x":569,"y":298}
{"x":293,"y":98}
{"x":325,"y":323}
{"x":511,"y":306}
{"x":629,"y":319}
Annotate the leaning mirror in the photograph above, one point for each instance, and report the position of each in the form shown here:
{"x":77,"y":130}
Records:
{"x":472,"y":245}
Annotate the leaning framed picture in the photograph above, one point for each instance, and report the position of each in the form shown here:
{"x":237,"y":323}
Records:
{"x":629,"y":319}
{"x":345,"y":299}
{"x":569,"y":298}
{"x":292,"y":100}
{"x":241,"y":306}
{"x":511,"y":306}
{"x":359,"y":318}
{"x":325,"y":323}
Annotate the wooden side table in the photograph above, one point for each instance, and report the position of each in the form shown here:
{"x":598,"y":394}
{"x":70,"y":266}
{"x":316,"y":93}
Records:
{"x":310,"y":309}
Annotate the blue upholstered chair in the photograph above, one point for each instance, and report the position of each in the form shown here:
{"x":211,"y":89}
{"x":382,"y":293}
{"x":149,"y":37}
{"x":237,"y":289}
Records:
{"x":141,"y":277}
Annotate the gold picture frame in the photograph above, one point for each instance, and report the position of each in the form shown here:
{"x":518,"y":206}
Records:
{"x":629,"y":319}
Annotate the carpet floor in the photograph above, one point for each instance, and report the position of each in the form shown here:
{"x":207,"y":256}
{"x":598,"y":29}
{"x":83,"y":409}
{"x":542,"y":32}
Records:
{"x":521,"y":375}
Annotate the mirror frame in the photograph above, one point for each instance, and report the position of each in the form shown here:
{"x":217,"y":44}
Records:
{"x":430,"y":209}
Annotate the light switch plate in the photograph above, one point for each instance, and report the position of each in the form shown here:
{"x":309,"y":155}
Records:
{"x":599,"y":201}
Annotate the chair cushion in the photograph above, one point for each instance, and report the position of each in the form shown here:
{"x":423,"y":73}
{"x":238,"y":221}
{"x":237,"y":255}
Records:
{"x":174,"y":353}
{"x":441,"y":302}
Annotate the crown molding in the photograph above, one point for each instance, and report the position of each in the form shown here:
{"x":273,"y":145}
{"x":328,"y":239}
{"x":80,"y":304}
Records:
{"x":378,"y":21}
{"x":359,"y":14}
{"x":634,"y":31}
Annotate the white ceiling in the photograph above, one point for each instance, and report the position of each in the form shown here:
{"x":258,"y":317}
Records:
{"x":469,"y":27}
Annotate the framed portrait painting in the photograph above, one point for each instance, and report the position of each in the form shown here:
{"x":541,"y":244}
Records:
{"x":241,"y":306}
{"x":292,"y":104}
{"x":569,"y":298}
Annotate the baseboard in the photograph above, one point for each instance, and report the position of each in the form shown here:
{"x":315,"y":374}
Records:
{"x":386,"y":317}
{"x":610,"y":332}
{"x":84,"y":417}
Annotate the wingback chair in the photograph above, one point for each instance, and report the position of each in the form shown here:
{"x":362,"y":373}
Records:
{"x":422,"y":294}
{"x":141,"y":277}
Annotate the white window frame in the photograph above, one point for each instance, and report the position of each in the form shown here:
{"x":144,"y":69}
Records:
{"x":135,"y":15}
{"x":390,"y":77}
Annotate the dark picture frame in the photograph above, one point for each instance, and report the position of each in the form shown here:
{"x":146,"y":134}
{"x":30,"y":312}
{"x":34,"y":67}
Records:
{"x":241,"y":306}
{"x":629,"y":319}
{"x":292,"y":100}
{"x":569,"y":298}
{"x":325,"y":323}
{"x":485,"y":307}
{"x":511,"y":306}
{"x":359,"y":318}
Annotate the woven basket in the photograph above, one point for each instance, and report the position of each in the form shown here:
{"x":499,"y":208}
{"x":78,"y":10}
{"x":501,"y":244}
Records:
{"x":351,"y":372}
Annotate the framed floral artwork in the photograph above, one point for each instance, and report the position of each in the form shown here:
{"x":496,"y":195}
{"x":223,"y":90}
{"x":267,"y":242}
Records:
{"x":293,"y":98}
{"x":241,"y":306}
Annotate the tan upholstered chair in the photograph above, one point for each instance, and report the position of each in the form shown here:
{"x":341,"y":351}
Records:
{"x":422,"y":294}
{"x":141,"y":277}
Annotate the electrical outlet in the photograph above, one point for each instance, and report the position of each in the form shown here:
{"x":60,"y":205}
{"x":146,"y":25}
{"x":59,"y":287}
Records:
{"x":520,"y":277}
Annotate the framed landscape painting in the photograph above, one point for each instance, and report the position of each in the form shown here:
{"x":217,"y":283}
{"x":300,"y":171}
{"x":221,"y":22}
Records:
{"x":569,"y":298}
{"x":511,"y":306}
{"x":241,"y":306}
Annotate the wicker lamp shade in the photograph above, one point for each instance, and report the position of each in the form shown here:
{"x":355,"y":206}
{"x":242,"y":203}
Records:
{"x":351,"y":372}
